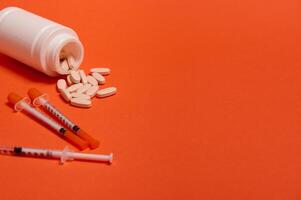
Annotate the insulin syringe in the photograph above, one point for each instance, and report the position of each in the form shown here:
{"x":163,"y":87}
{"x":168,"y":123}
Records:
{"x":40,"y":99}
{"x":64,"y":155}
{"x":24,"y":104}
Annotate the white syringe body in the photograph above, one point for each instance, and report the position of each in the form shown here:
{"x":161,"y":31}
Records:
{"x":43,"y":101}
{"x":63,"y":155}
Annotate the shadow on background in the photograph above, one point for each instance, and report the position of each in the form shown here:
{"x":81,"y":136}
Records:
{"x":24,"y":71}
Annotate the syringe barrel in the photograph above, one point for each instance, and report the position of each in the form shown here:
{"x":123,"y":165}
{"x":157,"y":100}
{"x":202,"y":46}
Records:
{"x":41,"y":116}
{"x":36,"y":152}
{"x":59,"y":115}
{"x":64,"y":155}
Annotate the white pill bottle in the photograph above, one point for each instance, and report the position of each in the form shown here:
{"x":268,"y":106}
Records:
{"x":37,"y":42}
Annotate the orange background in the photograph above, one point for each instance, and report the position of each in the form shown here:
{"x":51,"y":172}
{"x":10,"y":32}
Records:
{"x":209,"y":102}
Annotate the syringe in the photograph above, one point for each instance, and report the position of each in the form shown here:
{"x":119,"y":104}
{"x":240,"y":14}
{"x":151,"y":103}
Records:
{"x":64,"y":155}
{"x":40,"y":99}
{"x":23,"y":104}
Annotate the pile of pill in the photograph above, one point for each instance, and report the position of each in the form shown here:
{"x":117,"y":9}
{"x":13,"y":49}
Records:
{"x":66,"y":62}
{"x":79,"y":88}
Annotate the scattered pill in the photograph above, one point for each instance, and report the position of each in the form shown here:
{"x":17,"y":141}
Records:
{"x":81,"y":102}
{"x":74,"y":87}
{"x":61,"y":84}
{"x":106,"y":92}
{"x":83,"y":76}
{"x":83,"y":88}
{"x":100,"y":79}
{"x":92,"y":90}
{"x":78,"y":89}
{"x":81,"y":95}
{"x":75,"y":78}
{"x":66,"y":95}
{"x":92,"y":80}
{"x":102,"y":71}
{"x":71,"y":62}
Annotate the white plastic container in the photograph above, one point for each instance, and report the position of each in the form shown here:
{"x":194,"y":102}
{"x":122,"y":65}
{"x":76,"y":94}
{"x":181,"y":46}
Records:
{"x":36,"y":41}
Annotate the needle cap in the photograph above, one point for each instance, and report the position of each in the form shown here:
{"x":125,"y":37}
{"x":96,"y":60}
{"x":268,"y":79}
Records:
{"x":93,"y":143}
{"x":16,"y":99}
{"x":34,"y":94}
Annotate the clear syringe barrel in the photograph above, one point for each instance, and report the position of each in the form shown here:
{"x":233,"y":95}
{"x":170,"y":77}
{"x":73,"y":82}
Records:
{"x":55,"y":112}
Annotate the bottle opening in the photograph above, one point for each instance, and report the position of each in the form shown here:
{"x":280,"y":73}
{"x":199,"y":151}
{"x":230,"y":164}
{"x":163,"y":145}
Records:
{"x":71,"y":53}
{"x":63,"y":46}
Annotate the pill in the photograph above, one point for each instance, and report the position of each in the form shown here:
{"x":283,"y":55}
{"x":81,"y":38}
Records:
{"x":81,"y":102}
{"x":75,"y":78}
{"x":106,"y":92}
{"x":100,"y":79}
{"x":83,"y":88}
{"x":92,"y":80}
{"x":81,"y":95}
{"x":83,"y":76}
{"x":92,"y":90}
{"x":65,"y":66}
{"x":61,"y":84}
{"x":66,"y":95}
{"x":69,"y":81}
{"x":102,"y":71}
{"x":71,"y":62}
{"x":74,"y":87}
